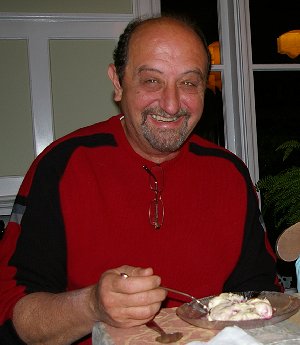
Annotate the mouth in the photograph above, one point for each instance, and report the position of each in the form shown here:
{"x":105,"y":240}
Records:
{"x":164,"y":119}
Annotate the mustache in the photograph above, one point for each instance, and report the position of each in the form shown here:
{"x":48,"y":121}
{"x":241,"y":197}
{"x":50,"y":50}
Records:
{"x":161,"y":112}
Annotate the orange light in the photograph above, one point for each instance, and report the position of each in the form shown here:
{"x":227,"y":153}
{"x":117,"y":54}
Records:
{"x":214,"y":78}
{"x":214,"y":49}
{"x":289,"y":43}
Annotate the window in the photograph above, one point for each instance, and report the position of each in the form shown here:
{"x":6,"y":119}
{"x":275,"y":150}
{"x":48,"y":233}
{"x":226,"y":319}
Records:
{"x":276,"y":79}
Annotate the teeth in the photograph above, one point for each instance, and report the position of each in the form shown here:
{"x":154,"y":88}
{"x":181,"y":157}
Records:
{"x":164,"y":119}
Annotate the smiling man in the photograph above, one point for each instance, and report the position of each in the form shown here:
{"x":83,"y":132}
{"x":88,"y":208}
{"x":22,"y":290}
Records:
{"x":136,"y":196}
{"x":161,"y":90}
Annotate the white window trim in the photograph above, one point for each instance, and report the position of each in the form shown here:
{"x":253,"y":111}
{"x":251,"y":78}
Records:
{"x":38,"y":29}
{"x":237,"y":124}
{"x":248,"y":150}
{"x":239,"y":117}
{"x":238,"y":84}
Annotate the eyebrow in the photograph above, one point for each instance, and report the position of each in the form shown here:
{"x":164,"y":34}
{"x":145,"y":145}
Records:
{"x":197,"y":71}
{"x":144,"y":68}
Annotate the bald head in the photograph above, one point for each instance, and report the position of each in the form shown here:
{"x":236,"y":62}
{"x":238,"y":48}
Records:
{"x":138,"y":31}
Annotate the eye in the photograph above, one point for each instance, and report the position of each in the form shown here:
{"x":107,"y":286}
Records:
{"x":190,"y":84}
{"x":150,"y":84}
{"x":151,"y":81}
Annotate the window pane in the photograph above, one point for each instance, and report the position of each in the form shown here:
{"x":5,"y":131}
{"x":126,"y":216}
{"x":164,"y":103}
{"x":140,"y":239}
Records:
{"x":204,"y":12}
{"x":277,"y":116}
{"x":278,"y":120}
{"x":16,"y":141}
{"x":211,"y":124}
{"x":268,"y":21}
{"x":80,"y":86}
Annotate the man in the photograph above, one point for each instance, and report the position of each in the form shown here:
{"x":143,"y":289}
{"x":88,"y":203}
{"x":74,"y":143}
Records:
{"x":137,"y":194}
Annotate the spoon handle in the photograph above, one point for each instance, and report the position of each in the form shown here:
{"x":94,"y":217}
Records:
{"x":186,"y":295}
{"x":153,"y":325}
{"x":179,"y":292}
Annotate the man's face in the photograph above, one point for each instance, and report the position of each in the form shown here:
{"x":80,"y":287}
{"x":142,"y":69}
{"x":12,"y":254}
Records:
{"x":163,"y":88}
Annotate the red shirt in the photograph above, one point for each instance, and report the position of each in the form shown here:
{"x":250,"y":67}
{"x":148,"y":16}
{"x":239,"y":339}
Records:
{"x":83,"y":208}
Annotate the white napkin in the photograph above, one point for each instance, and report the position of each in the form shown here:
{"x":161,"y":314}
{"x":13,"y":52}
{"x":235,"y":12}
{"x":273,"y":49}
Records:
{"x":229,"y":336}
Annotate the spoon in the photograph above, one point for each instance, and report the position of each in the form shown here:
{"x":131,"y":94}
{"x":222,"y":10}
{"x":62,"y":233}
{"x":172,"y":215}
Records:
{"x":165,"y":338}
{"x":202,"y":307}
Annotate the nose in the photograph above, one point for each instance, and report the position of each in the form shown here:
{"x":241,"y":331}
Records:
{"x":170,"y":99}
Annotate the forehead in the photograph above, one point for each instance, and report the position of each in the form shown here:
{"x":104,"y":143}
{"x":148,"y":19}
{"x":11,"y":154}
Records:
{"x":164,"y":25}
{"x":167,"y":40}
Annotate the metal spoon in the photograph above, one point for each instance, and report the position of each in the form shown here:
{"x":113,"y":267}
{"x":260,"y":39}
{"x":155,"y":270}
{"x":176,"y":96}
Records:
{"x":165,"y":338}
{"x":202,"y":307}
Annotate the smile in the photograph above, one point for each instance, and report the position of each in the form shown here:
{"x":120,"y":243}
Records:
{"x":164,"y":119}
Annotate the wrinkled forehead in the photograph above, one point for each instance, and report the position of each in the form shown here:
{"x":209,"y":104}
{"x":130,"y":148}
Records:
{"x":167,"y":37}
{"x":165,"y":27}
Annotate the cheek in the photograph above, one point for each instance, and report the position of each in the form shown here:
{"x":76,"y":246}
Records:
{"x":194,"y":104}
{"x":136,"y":102}
{"x":144,"y":99}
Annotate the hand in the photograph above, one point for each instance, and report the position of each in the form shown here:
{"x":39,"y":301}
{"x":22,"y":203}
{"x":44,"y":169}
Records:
{"x":127,"y":302}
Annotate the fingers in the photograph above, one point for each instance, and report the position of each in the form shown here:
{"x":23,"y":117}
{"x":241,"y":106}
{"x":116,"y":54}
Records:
{"x":131,"y":298}
{"x":135,"y":297}
{"x":136,"y":284}
{"x":138,"y":289}
{"x":137,"y":279}
{"x":133,"y":315}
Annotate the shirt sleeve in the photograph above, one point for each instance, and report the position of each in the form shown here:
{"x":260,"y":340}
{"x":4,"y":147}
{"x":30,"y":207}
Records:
{"x":256,"y":267}
{"x":33,"y":249}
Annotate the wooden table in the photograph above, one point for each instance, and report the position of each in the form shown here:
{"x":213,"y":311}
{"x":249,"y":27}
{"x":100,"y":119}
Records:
{"x":274,"y":334}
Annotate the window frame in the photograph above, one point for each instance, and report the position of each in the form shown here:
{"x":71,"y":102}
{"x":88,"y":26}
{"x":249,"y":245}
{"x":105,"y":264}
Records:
{"x":238,"y":84}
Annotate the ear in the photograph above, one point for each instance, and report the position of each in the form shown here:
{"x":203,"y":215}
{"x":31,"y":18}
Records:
{"x":112,"y":73}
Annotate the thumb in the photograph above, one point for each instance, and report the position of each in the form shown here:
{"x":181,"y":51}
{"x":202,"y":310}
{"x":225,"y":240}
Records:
{"x":142,"y":272}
